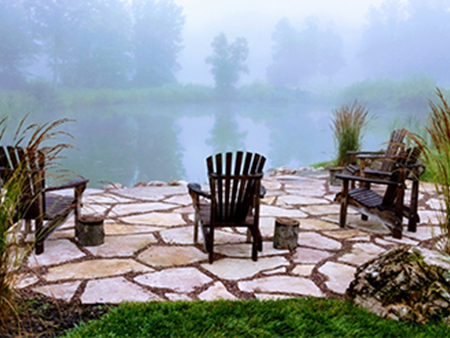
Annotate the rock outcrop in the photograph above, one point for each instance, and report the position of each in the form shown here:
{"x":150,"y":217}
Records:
{"x":406,"y":283}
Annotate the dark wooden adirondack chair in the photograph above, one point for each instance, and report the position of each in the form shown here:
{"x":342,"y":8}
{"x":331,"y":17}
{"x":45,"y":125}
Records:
{"x":390,"y":208}
{"x":234,"y":198}
{"x":364,"y":163}
{"x":37,"y":202}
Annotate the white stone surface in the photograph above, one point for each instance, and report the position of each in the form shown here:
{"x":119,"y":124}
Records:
{"x":299,"y":200}
{"x":309,"y":256}
{"x":56,"y":251}
{"x":339,"y":276}
{"x":272,"y":211}
{"x":180,"y":280}
{"x":115,"y":290}
{"x":64,"y":291}
{"x":121,"y":245}
{"x":235,"y":269}
{"x":95,"y":269}
{"x":165,"y":256}
{"x":315,"y":240}
{"x":216,"y":291}
{"x":182,"y":235}
{"x":245,"y":250}
{"x":156,"y":219}
{"x":303,"y":270}
{"x":361,"y":253}
{"x":281,"y":284}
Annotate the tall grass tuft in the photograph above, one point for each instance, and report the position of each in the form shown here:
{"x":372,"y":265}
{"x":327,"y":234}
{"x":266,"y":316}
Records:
{"x":14,"y":183}
{"x":435,"y":146}
{"x":348,"y":125}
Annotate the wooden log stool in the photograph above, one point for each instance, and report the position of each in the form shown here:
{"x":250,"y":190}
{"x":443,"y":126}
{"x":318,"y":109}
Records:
{"x":89,"y":230}
{"x":286,"y":233}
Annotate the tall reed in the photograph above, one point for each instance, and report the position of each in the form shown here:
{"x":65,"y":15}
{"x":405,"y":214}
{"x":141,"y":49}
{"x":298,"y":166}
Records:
{"x":32,"y":138}
{"x":436,"y":148}
{"x":348,"y":125}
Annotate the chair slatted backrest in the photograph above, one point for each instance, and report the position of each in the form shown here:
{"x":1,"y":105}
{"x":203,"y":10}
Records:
{"x":32,"y":166}
{"x":233,"y":184}
{"x":394,"y":147}
{"x":404,"y":162}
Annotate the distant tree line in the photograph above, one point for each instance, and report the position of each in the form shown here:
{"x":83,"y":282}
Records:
{"x":136,"y":43}
{"x":91,"y":43}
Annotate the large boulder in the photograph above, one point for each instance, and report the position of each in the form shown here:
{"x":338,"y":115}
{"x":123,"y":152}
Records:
{"x":407,"y":283}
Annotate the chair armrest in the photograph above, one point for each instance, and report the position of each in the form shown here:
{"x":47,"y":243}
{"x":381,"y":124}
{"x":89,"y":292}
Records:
{"x":374,"y":156}
{"x":378,"y":173}
{"x":195,"y":188}
{"x":365,"y":179}
{"x":78,"y":182}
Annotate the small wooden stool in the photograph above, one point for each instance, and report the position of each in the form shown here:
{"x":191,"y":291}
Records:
{"x":89,"y":230}
{"x":286,"y":233}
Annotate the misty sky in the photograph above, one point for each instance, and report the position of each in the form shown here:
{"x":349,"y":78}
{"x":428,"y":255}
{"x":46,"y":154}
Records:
{"x":256,"y":20}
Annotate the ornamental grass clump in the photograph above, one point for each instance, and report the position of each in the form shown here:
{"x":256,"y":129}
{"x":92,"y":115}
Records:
{"x":436,"y":149}
{"x":348,"y":125}
{"x":13,"y":184}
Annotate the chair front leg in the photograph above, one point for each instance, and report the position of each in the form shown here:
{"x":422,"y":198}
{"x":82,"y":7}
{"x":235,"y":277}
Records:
{"x":344,"y":203}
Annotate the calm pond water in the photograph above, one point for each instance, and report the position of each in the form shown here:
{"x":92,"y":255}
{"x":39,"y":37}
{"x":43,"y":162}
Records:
{"x":131,"y":143}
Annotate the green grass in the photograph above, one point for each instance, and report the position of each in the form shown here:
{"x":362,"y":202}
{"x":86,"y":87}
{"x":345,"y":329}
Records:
{"x":301,"y":317}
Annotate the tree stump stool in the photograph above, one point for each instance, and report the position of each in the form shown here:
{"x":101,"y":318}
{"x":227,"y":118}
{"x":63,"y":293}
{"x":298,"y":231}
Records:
{"x":286,"y":233}
{"x":89,"y":230}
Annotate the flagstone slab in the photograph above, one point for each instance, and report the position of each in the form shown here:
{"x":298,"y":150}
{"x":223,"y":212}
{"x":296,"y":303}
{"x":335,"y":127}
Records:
{"x":299,"y":200}
{"x":64,"y":291}
{"x":317,"y":241}
{"x":428,"y":217}
{"x":317,"y":191}
{"x":266,"y":226}
{"x":182,"y":235}
{"x":271,"y":184}
{"x":269,"y":199}
{"x":95,"y":209}
{"x":165,"y":256}
{"x":24,"y":280}
{"x":114,"y":228}
{"x":317,"y":224}
{"x":235,"y":268}
{"x":322,"y":209}
{"x":436,"y":203}
{"x":121,"y":245}
{"x":97,"y":268}
{"x":339,"y":276}
{"x":150,"y":193}
{"x":156,"y":219}
{"x":404,"y":240}
{"x":185,"y":210}
{"x":276,"y":271}
{"x":354,"y":221}
{"x":115,"y":290}
{"x":179,"y":199}
{"x":304,"y":270}
{"x":346,"y":233}
{"x":216,"y":291}
{"x":272,"y":211}
{"x":56,"y":251}
{"x":245,"y":250}
{"x":178,"y":279}
{"x":104,"y":199}
{"x":424,"y":233}
{"x":175,"y":297}
{"x":140,"y":208}
{"x":309,"y":256}
{"x":361,"y":253}
{"x":282,"y":284}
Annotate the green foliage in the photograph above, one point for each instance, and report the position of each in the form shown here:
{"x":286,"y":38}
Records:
{"x":437,"y":151}
{"x":348,"y":125}
{"x":227,"y":62}
{"x":15,"y":182}
{"x":156,"y":41}
{"x":408,"y":95}
{"x":301,"y":317}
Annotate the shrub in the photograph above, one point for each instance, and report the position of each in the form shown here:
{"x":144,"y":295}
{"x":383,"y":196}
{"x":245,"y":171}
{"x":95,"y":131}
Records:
{"x":348,"y":125}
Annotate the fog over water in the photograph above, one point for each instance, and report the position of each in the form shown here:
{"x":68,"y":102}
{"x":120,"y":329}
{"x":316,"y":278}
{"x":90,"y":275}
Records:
{"x":155,"y":86}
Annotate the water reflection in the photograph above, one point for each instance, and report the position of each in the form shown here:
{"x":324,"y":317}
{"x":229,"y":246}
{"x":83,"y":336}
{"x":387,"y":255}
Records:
{"x":131,"y":143}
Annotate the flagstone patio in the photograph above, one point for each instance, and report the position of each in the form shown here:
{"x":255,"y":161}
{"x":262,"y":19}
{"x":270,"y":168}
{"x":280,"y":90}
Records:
{"x":148,"y":252}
